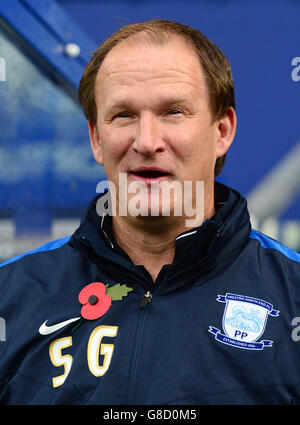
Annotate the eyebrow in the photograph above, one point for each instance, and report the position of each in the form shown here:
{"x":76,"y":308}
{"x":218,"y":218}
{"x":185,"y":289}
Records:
{"x":127,"y":104}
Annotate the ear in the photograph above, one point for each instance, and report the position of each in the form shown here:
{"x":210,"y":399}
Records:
{"x":95,"y":142}
{"x":226,"y":132}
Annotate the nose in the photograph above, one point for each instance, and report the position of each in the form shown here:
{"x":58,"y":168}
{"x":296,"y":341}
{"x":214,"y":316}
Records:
{"x":148,"y":138}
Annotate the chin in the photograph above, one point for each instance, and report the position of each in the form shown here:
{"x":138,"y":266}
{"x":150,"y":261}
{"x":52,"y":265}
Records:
{"x":147,"y":206}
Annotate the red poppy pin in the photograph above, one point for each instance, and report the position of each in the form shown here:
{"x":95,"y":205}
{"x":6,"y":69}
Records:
{"x":97,"y":298}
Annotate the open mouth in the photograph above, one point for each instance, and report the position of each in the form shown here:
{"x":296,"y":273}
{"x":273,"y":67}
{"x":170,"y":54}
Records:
{"x":150,"y":174}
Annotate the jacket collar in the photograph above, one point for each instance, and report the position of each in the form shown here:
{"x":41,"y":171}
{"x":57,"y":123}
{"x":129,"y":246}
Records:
{"x":226,"y":232}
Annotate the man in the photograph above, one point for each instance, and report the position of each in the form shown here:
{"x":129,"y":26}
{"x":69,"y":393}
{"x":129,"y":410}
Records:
{"x":155,"y":300}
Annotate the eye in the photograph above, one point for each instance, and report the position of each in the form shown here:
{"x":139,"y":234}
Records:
{"x":174,"y":112}
{"x":122,"y":115}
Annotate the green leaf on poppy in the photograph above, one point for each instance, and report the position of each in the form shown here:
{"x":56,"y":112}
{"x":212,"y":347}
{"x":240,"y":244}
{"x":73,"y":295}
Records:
{"x":118,"y":291}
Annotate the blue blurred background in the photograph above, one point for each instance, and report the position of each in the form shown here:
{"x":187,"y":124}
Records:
{"x":47,"y":172}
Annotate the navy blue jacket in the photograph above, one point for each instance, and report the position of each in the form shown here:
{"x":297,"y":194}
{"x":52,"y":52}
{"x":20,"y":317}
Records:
{"x":215,"y":327}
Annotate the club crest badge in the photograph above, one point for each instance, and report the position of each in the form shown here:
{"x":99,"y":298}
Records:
{"x":244,"y":321}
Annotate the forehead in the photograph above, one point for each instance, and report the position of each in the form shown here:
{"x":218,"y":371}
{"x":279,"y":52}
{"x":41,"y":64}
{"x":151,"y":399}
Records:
{"x":139,"y":60}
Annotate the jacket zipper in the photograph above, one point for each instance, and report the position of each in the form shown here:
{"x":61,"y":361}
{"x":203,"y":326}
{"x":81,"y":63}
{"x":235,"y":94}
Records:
{"x":146,"y":299}
{"x":144,"y":303}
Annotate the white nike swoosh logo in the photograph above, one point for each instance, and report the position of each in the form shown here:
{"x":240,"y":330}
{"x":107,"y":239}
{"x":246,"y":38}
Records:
{"x":46,"y":330}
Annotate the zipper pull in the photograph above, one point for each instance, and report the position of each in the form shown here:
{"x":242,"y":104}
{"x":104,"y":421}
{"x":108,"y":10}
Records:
{"x":146,"y":299}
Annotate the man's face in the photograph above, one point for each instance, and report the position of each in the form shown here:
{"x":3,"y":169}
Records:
{"x":153,"y":116}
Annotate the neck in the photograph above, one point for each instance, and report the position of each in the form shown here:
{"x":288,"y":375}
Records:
{"x":144,"y":248}
{"x":151,"y":241}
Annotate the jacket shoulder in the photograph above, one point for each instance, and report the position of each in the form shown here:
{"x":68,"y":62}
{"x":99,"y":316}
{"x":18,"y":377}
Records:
{"x":270,"y":244}
{"x":49,"y":246}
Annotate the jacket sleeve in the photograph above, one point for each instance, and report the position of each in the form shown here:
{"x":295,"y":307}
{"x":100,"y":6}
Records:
{"x":6,"y":316}
{"x":13,"y":308}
